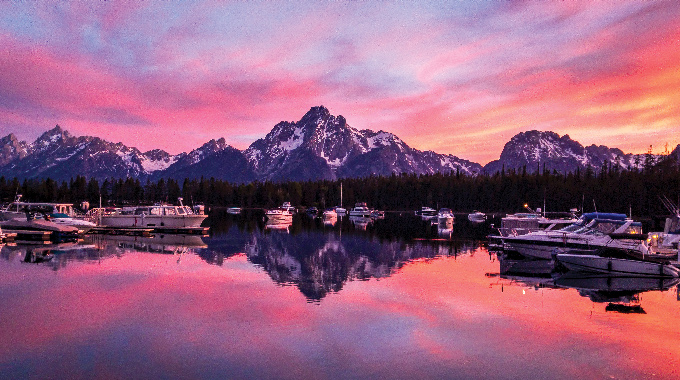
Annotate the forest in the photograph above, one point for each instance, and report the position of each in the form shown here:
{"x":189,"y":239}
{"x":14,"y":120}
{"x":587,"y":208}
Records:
{"x":608,"y":188}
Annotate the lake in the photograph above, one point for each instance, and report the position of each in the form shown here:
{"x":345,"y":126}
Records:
{"x":394,"y":298}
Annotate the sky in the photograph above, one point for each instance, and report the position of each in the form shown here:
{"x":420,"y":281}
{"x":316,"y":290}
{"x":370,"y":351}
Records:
{"x":455,"y":77}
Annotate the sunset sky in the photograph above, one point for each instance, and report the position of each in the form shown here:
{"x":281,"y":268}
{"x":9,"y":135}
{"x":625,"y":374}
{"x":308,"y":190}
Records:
{"x":454,"y":76}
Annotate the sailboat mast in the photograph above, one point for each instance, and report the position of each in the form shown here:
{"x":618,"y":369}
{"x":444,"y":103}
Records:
{"x":340,"y":194}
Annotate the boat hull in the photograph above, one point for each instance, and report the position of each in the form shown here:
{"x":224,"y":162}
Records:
{"x":146,"y":221}
{"x":615,"y":266}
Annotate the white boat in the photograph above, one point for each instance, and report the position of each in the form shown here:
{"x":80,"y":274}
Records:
{"x":616,"y":266}
{"x":426,"y":211}
{"x":339,"y":210}
{"x":280,"y":214}
{"x":666,"y":241}
{"x":477,"y":217}
{"x":330,"y":213}
{"x":18,"y":209}
{"x":83,"y":226}
{"x":152,"y":216}
{"x":591,"y":231}
{"x":445,"y":217}
{"x":288,"y":207}
{"x":234,"y":210}
{"x":279,"y":225}
{"x":360,"y":209}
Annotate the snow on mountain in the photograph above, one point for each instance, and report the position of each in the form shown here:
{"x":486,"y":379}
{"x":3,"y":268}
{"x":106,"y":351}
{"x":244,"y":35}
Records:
{"x":323,"y":146}
{"x":536,"y":150}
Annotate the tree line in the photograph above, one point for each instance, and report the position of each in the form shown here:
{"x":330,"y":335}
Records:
{"x":609,"y":188}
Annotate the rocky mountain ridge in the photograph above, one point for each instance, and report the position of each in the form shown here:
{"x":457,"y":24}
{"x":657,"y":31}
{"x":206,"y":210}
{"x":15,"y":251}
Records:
{"x":318,"y":146}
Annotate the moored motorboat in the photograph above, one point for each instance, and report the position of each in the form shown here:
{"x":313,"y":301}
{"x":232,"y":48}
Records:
{"x":426,"y":212}
{"x":445,"y":217}
{"x":330,"y":213}
{"x":58,"y":232}
{"x":160,"y":215}
{"x":234,"y":210}
{"x":83,"y":226}
{"x":591,"y":231}
{"x":477,"y":217}
{"x":360,"y":210}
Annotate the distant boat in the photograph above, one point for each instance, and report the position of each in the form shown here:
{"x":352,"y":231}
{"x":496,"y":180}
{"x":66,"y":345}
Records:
{"x":313,"y":211}
{"x":282,"y":214}
{"x":445,"y":217}
{"x":339,"y":210}
{"x":234,"y":210}
{"x":426,"y":211}
{"x":477,"y":217}
{"x":330,"y":213}
{"x":360,"y":209}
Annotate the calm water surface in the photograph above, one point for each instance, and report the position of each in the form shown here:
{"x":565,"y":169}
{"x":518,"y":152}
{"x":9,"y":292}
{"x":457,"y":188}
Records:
{"x":394,"y":298}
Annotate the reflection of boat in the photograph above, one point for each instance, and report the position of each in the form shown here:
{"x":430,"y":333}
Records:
{"x":523,"y":266}
{"x":603,"y":282}
{"x":444,"y":231}
{"x":445,"y":217}
{"x":615,"y":266}
{"x":153,"y":216}
{"x":278,"y":225}
{"x":360,"y":222}
{"x":330,"y":220}
{"x":155,"y":243}
{"x":360,"y":209}
{"x":477,"y":217}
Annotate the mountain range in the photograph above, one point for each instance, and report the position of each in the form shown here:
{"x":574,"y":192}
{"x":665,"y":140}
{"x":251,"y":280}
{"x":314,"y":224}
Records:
{"x":318,"y":146}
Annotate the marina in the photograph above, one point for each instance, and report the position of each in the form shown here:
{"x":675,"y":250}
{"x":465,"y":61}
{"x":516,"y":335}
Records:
{"x":362,"y":284}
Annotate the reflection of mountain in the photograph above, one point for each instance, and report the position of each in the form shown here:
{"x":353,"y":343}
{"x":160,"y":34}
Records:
{"x":319,"y":263}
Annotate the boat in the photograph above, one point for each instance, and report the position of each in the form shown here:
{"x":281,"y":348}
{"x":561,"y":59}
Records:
{"x":666,"y":241}
{"x":281,"y":214}
{"x":19,"y":209}
{"x":58,"y":232}
{"x":313,"y":211}
{"x":615,"y":266}
{"x":82,"y":225}
{"x":522,"y":223}
{"x":426,"y":212}
{"x":330,"y":213}
{"x":377,"y":214}
{"x":604,"y":231}
{"x":445,"y":217}
{"x":159,"y":215}
{"x":339,"y":210}
{"x":477,"y":217}
{"x":361,"y":210}
{"x":234,"y":210}
{"x":287,"y":206}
